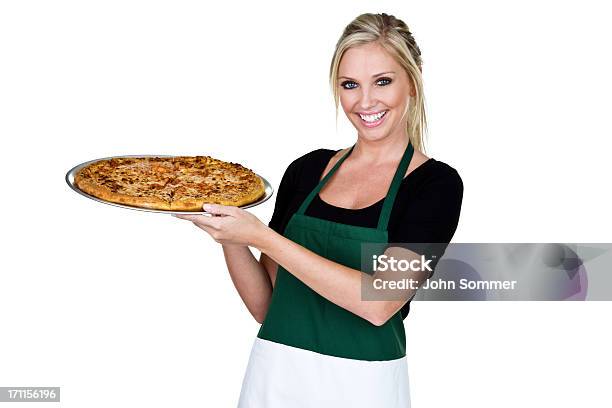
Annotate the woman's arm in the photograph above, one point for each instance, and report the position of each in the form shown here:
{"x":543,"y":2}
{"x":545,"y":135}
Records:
{"x":339,"y":284}
{"x":250,"y":277}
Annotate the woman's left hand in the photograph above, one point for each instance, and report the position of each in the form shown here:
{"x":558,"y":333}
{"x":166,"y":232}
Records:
{"x":228,"y":224}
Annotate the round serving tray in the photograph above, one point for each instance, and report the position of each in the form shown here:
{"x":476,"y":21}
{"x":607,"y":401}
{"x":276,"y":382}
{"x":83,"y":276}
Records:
{"x":72,"y":172}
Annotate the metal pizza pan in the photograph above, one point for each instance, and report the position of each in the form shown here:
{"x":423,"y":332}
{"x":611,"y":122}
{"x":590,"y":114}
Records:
{"x":268,"y":190}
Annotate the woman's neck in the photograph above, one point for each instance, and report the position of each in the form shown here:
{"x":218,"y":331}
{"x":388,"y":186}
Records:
{"x":377,"y":152}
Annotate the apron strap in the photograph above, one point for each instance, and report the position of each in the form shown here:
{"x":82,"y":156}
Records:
{"x":385,"y":213}
{"x":319,"y":186}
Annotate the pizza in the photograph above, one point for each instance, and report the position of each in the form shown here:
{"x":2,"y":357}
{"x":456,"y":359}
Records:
{"x":177,"y":183}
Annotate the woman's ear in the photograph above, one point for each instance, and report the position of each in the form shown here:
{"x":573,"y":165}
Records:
{"x":412,"y":88}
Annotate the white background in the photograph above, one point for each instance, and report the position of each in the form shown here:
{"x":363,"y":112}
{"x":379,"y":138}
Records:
{"x":126,"y":308}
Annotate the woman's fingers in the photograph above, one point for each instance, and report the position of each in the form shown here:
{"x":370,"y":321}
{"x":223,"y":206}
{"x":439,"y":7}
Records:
{"x":188,"y":217}
{"x":203,"y":222}
{"x":211,"y":222}
{"x":212,"y":209}
{"x":226,"y":224}
{"x":218,"y":209}
{"x":208,"y":230}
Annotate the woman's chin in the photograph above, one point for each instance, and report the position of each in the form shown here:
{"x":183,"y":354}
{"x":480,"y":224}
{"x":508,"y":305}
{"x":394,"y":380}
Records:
{"x":372,"y":136}
{"x":371,"y":133}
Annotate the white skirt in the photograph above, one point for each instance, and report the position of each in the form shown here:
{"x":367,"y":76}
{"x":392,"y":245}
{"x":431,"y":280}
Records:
{"x":281,"y":376}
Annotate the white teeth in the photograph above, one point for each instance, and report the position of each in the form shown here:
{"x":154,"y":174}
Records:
{"x":372,"y":118}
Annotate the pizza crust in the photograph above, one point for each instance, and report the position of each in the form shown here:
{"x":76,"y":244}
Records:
{"x":106,"y":194}
{"x":195,"y":204}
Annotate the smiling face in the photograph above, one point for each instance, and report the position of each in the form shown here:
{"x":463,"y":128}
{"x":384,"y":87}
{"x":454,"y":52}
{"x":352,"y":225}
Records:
{"x":373,"y":91}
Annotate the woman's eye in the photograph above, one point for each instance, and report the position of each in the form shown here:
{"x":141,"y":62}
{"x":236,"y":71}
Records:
{"x":385,"y":81}
{"x":346,"y":84}
{"x":353,"y":85}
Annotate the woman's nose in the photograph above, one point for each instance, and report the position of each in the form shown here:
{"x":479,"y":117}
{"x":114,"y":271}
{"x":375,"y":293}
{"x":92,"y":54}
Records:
{"x":367,"y":100}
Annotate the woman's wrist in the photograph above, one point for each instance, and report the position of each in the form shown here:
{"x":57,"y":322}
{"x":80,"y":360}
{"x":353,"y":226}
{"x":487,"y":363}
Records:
{"x":226,"y":245}
{"x":264,"y":239}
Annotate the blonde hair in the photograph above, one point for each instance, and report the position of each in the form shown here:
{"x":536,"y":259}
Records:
{"x":395,"y":37}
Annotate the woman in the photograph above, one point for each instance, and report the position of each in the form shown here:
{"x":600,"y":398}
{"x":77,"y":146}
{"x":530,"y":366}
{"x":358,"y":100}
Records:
{"x":320,"y":344}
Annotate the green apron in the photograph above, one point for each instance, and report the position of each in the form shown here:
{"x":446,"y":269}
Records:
{"x":301,"y":318}
{"x":309,"y":352}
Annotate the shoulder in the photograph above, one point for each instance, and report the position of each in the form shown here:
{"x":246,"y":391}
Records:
{"x":310,"y":161}
{"x":314,"y":155}
{"x":433,"y":190}
{"x":429,"y":204}
{"x":435,"y":174}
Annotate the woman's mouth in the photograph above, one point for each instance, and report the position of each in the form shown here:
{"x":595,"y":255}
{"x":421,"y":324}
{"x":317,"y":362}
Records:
{"x":373,"y":120}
